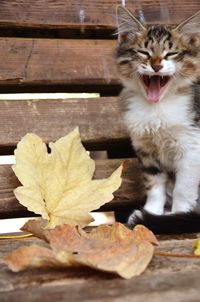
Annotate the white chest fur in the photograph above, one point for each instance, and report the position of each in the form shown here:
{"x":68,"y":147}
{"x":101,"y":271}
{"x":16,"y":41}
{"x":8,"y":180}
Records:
{"x":144,"y":118}
{"x":164,"y":127}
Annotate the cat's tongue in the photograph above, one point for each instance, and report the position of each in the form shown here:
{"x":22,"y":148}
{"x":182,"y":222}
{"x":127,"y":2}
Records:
{"x":153,"y":93}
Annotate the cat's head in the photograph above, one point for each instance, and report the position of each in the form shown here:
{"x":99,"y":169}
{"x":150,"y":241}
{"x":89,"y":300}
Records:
{"x":158,"y":58}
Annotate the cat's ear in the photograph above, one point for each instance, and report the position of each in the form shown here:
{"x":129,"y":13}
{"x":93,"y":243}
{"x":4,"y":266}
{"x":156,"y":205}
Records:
{"x":128,"y":25}
{"x":190,"y":25}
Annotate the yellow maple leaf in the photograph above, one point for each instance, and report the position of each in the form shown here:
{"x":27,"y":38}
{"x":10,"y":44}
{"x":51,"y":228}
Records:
{"x":59,"y":185}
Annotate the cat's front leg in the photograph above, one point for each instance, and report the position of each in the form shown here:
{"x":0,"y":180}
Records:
{"x":156,"y":192}
{"x":185,"y":194}
{"x":155,"y":183}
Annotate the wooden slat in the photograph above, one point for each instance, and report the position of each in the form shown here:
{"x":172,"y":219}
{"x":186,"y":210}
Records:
{"x":129,"y":194}
{"x":44,"y":62}
{"x":89,"y":13}
{"x":163,"y":11}
{"x":59,"y":62}
{"x":166,"y":279}
{"x":99,"y":120}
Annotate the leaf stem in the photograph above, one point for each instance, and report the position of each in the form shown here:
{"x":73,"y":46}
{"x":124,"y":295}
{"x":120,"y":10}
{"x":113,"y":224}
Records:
{"x":178,"y":255}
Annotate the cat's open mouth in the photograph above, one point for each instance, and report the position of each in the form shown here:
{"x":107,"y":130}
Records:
{"x":154,"y":85}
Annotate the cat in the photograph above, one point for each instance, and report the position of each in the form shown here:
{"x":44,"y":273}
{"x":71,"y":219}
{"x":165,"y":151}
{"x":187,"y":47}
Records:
{"x":159,"y":68}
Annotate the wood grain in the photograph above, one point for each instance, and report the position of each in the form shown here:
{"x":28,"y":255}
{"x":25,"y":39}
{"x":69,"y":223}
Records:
{"x":166,"y":278}
{"x":127,"y":196}
{"x":27,"y":61}
{"x":90,"y":13}
{"x":99,"y":120}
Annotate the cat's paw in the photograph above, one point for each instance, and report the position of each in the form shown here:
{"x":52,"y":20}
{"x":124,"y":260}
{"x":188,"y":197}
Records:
{"x":134,"y":219}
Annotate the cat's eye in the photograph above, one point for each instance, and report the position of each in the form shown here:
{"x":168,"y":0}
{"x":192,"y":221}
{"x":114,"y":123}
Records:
{"x":171,"y":54}
{"x":144,"y":53}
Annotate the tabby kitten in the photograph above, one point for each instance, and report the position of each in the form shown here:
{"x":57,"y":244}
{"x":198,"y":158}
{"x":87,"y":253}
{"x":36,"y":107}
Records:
{"x":159,"y":68}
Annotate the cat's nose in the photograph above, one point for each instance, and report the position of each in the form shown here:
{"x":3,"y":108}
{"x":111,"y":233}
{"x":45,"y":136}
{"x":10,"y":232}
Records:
{"x":156,"y":67}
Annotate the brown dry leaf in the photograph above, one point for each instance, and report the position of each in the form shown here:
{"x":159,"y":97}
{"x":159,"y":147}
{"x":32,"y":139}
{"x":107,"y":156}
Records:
{"x":114,"y":249}
{"x":59,"y":185}
{"x":36,"y":228}
{"x":141,"y":233}
{"x":31,"y":257}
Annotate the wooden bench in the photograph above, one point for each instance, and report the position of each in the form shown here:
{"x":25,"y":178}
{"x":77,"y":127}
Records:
{"x":68,"y":46}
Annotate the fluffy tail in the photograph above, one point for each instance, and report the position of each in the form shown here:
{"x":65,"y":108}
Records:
{"x":170,"y":223}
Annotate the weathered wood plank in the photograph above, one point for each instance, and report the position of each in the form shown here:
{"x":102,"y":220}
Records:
{"x":89,"y":13}
{"x":129,"y":194}
{"x":56,"y":61}
{"x":99,"y":120}
{"x":66,"y":63}
{"x":174,"y":278}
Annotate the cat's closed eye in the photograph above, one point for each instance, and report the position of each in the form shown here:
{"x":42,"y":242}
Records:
{"x":145,"y":54}
{"x":171,"y":55}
